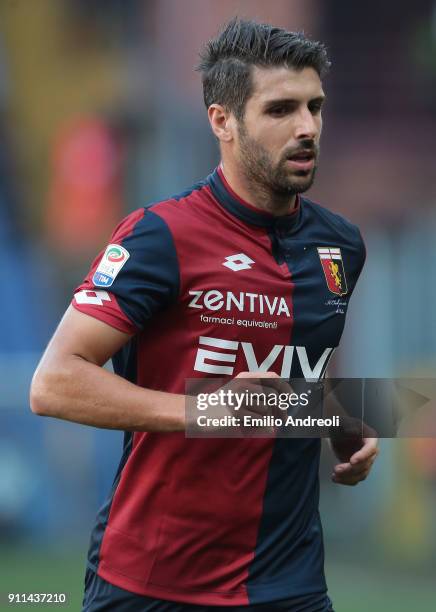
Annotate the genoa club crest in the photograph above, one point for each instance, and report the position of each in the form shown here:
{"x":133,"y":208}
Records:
{"x":331,"y":261}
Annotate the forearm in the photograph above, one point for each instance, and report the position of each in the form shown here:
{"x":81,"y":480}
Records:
{"x":83,"y":392}
{"x":331,"y":404}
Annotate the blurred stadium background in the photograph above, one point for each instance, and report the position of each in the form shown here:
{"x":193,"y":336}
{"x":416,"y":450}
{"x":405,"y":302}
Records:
{"x":100,"y":113}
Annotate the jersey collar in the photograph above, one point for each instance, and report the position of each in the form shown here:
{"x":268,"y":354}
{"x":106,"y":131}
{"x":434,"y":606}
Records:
{"x":244,"y":211}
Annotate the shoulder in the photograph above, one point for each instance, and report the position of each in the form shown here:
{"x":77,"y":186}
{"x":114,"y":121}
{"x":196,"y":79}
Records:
{"x":153,"y":213}
{"x":183,"y":215}
{"x":178,"y":202}
{"x":334,"y":222}
{"x":333,"y":226}
{"x":182,"y":207}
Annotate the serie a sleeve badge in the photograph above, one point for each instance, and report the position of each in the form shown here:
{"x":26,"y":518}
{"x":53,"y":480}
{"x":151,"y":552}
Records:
{"x":114,"y":258}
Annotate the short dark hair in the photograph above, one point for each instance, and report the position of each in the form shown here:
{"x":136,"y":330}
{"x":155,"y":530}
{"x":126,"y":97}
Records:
{"x":227,"y":59}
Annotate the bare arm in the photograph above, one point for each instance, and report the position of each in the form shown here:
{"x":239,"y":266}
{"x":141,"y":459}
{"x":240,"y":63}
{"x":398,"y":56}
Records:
{"x":70,"y":383}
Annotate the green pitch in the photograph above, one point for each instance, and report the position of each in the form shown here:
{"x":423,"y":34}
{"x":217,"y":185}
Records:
{"x":352,"y":589}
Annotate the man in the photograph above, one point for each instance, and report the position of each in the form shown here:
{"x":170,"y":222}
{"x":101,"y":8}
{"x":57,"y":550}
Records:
{"x":235,"y":275}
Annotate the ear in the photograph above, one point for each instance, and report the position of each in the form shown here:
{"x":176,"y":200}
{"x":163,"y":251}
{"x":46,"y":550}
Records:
{"x":222,"y":122}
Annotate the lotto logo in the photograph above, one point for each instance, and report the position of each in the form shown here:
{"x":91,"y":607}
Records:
{"x":238,"y":262}
{"x":92,"y":297}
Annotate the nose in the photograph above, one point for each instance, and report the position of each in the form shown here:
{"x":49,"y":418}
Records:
{"x":306,"y":126}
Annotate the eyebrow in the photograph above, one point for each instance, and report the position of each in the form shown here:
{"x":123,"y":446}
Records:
{"x":273,"y":102}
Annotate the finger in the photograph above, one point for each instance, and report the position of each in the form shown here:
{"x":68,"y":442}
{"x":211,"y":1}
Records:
{"x":258,"y":384}
{"x":360,"y":460}
{"x":277,"y":384}
{"x":268,"y":379}
{"x":342,"y":467}
{"x":361,"y":468}
{"x":347,"y":469}
{"x":247,"y":388}
{"x":349,"y":479}
{"x":340,"y":481}
{"x":368,"y":450}
{"x":257,"y":374}
{"x":257,"y":410}
{"x":364,"y":470}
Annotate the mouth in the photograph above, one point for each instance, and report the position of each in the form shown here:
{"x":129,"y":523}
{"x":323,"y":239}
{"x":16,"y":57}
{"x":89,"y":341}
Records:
{"x":303,"y":160}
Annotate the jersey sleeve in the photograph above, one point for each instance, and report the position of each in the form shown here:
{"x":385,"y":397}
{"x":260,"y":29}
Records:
{"x":358,"y":253}
{"x":362,"y":253}
{"x":136,"y":276}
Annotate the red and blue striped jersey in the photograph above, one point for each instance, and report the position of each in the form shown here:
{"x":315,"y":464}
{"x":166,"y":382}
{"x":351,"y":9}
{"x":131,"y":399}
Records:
{"x":211,"y":286}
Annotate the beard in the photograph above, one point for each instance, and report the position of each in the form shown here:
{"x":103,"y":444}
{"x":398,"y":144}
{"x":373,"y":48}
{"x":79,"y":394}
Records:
{"x":273,"y":179}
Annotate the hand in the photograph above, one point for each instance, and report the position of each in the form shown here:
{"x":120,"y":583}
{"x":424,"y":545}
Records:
{"x":254,"y":383}
{"x":359,"y":465}
{"x":235,"y":408}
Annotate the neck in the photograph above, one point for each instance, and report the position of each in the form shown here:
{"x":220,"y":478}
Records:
{"x":258,"y":195}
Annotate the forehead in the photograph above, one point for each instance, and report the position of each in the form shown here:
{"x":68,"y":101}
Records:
{"x":280,"y":82}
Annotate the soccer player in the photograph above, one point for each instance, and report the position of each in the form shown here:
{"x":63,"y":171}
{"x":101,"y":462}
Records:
{"x":239,"y":273}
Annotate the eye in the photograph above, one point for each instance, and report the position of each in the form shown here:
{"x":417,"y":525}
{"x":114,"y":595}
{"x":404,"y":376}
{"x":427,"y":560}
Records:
{"x":315,"y":108}
{"x":278,"y":111}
